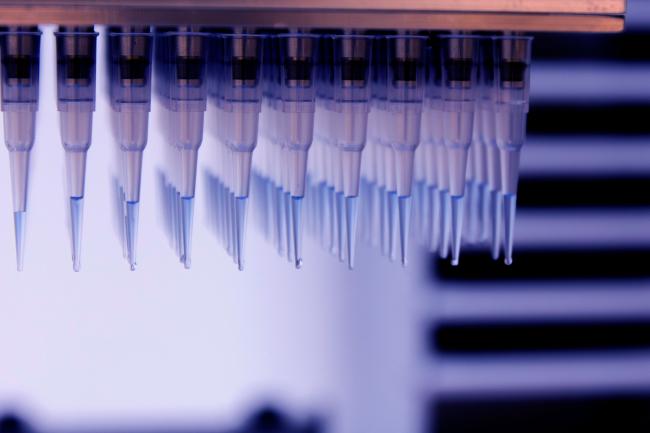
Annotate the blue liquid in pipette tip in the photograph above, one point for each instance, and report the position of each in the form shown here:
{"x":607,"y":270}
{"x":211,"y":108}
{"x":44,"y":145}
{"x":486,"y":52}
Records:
{"x":496,"y":220}
{"x":288,"y":228}
{"x":435,"y":211}
{"x":484,"y":217}
{"x":510,"y":207}
{"x":340,"y":218}
{"x":445,"y":223}
{"x":19,"y":231}
{"x":393,"y":225}
{"x":76,"y":222}
{"x":132,"y":216}
{"x":404,"y":224}
{"x":456,"y":228}
{"x":240,"y":218}
{"x":351,"y":229}
{"x":187,"y":217}
{"x":296,"y":216}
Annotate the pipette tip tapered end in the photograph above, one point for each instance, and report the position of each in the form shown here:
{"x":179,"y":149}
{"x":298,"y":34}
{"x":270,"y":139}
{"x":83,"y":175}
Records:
{"x":187,"y":215}
{"x":510,"y":207}
{"x":392,"y":225}
{"x":445,"y":201}
{"x":132,"y":216}
{"x":340,"y":212}
{"x":296,"y":213}
{"x":456,"y":228}
{"x":351,"y":223}
{"x":496,"y":220}
{"x":404,"y":224}
{"x":240,"y":221}
{"x":19,"y":230}
{"x":76,"y":222}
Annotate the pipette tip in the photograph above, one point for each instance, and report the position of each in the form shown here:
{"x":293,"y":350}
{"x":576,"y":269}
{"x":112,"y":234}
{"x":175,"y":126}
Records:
{"x":456,"y":228}
{"x":19,"y":230}
{"x":132,"y":216}
{"x":496,"y":220}
{"x":296,"y":213}
{"x":340,"y":212}
{"x":392,"y":225}
{"x":187,"y":215}
{"x":240,"y":220}
{"x":404,"y":224}
{"x":351,"y":223}
{"x":510,"y":207}
{"x":76,"y":221}
{"x":445,"y":223}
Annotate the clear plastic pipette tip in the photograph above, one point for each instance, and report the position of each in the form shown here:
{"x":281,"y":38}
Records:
{"x":351,"y":226}
{"x":76,"y":221}
{"x":296,"y":213}
{"x":240,"y":221}
{"x":132,"y":216}
{"x":19,"y":230}
{"x":456,"y":228}
{"x":404,"y":224}
{"x":187,"y":216}
{"x":510,"y":207}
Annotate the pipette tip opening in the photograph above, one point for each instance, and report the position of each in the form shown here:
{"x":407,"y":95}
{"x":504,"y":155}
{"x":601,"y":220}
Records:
{"x":351,"y":223}
{"x":296,"y":214}
{"x":76,"y":222}
{"x":19,"y":230}
{"x":240,"y":220}
{"x":132,"y":216}
{"x":187,"y":215}
{"x":404,"y":224}
{"x":510,"y":207}
{"x":456,"y":228}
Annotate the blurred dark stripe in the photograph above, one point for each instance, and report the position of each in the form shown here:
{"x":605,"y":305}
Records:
{"x":581,"y":192}
{"x":548,"y":265}
{"x":480,"y":337}
{"x":605,"y":412}
{"x":593,"y":119}
{"x":629,"y":46}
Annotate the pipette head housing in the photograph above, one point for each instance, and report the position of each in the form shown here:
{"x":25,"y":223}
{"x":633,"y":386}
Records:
{"x":352,"y":89}
{"x":298,"y":89}
{"x":182,"y":57}
{"x":130,"y":51}
{"x":512,"y":56}
{"x":76,"y":58}
{"x":297,"y":71}
{"x":459,"y":71}
{"x":20,"y":50}
{"x":352,"y":56}
{"x":406,"y":57}
{"x":405,"y":84}
{"x":237,"y":86}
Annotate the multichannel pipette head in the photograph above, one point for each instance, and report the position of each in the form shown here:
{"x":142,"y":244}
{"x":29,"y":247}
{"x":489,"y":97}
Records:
{"x":238,"y":97}
{"x":20,"y":50}
{"x":405,"y":93}
{"x":352,"y":56}
{"x":76,"y":57}
{"x":297,"y":105}
{"x":512,"y":56}
{"x":130,"y":52}
{"x":459,"y":91}
{"x":182,"y":58}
